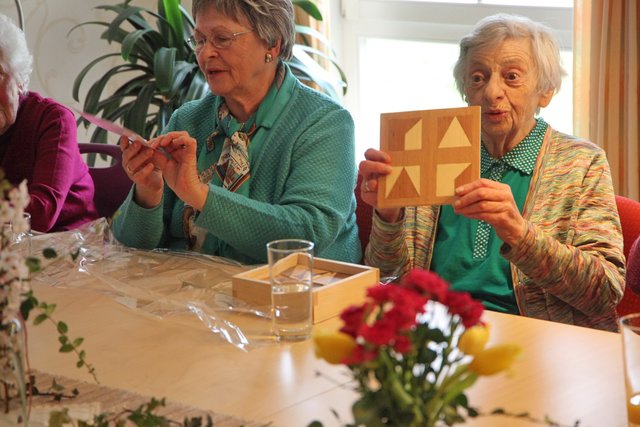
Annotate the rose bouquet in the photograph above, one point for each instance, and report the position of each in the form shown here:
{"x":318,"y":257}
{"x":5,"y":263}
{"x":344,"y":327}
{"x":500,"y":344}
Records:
{"x":413,"y":349}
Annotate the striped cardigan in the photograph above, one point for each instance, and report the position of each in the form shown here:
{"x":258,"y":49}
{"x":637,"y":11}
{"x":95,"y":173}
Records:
{"x":569,"y":266}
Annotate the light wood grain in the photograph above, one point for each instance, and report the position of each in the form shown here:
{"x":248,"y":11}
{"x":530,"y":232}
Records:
{"x":567,"y":372}
{"x":432,"y":152}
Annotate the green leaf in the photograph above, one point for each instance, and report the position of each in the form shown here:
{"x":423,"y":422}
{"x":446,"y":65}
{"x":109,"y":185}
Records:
{"x":174,"y":17}
{"x":66,"y":348}
{"x":40,"y":318}
{"x":133,"y":39}
{"x":78,"y":81}
{"x":78,"y":342}
{"x":62,"y":328}
{"x":33,"y":264}
{"x":130,"y":14}
{"x":198,"y":87}
{"x":29,"y":303}
{"x":163,"y":64}
{"x":309,"y":7}
{"x":49,"y":253}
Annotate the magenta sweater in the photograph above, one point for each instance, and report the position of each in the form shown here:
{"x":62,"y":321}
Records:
{"x":42,"y":147}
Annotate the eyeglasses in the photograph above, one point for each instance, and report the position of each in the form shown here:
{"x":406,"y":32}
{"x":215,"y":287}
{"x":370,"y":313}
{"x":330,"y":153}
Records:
{"x":219,"y":40}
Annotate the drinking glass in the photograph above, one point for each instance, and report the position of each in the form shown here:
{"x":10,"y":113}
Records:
{"x":290,"y":273}
{"x":630,"y":330}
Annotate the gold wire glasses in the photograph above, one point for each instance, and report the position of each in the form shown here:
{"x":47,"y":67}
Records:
{"x":218,"y":40}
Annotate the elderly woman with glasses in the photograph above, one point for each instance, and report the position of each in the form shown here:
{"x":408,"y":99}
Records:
{"x":38,"y":143}
{"x":262,"y":157}
{"x":538,"y":234}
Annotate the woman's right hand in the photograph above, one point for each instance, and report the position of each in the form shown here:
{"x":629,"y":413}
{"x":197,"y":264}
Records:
{"x":144,"y":166}
{"x":376,"y":164}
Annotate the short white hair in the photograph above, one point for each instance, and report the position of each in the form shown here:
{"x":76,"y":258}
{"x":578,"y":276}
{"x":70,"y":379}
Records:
{"x":14,"y":51}
{"x":494,"y":29}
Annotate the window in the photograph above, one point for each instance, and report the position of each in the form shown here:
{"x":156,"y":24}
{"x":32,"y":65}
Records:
{"x":399,"y":55}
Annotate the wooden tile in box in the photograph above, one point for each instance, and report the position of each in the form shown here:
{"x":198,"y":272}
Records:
{"x":336,"y":285}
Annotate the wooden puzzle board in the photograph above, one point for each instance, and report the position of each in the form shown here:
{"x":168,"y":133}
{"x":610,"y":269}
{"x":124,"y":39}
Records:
{"x":432,"y":152}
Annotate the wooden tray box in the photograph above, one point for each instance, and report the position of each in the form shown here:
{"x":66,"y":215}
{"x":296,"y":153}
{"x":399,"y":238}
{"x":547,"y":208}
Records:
{"x":336,"y":285}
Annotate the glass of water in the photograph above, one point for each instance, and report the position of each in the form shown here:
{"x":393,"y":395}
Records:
{"x":291,"y":276}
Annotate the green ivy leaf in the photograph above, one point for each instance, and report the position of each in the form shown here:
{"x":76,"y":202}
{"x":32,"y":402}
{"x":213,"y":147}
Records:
{"x":66,"y":348}
{"x":40,"y":318}
{"x":33,"y":264}
{"x":49,"y":253}
{"x":62,"y":327}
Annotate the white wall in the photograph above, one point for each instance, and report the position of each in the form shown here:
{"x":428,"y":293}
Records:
{"x":59,"y":56}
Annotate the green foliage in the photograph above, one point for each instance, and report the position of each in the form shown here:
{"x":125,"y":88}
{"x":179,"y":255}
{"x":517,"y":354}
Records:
{"x":142,"y":416}
{"x":160,"y":70}
{"x":67,"y":345}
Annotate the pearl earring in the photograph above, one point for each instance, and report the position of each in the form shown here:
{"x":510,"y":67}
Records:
{"x":268,"y":58}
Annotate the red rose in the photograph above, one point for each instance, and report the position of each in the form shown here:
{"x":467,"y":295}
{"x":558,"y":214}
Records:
{"x":463,"y":305}
{"x":361,"y":355}
{"x":382,"y":332}
{"x":426,"y":283}
{"x":381,"y":293}
{"x":353,"y":317}
{"x":408,"y":297}
{"x":402,"y":344}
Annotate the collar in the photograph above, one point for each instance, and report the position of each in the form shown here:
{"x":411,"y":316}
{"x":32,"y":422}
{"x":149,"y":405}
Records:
{"x":521,"y":157}
{"x":273,"y":103}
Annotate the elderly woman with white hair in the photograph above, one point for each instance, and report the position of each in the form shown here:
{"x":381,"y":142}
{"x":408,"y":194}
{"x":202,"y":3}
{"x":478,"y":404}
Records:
{"x":38,"y":142}
{"x":260,"y":158}
{"x":538,"y":234}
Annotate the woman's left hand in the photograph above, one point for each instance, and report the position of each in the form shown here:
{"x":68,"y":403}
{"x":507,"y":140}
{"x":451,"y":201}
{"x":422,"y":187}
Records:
{"x":492,"y":202}
{"x":181,"y":172}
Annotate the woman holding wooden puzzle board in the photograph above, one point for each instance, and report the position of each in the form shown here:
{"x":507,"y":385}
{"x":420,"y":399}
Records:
{"x":538,"y":234}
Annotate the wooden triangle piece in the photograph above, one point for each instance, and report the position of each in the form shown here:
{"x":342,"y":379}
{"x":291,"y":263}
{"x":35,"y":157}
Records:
{"x":404,"y":187}
{"x":455,"y":136}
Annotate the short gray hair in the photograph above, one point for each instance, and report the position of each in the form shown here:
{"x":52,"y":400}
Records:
{"x":494,"y":29}
{"x":273,"y":20}
{"x":14,"y":50}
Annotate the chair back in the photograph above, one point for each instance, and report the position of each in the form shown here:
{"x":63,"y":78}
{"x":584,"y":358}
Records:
{"x":111,"y":183}
{"x":629,"y":211}
{"x":364,"y":214}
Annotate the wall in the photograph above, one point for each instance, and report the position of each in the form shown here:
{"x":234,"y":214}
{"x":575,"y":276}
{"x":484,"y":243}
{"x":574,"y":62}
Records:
{"x":58,"y":55}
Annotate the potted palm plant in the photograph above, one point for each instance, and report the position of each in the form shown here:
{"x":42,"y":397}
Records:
{"x":160,"y":72}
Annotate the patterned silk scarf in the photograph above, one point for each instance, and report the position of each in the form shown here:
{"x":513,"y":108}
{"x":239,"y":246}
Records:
{"x":231,"y":171}
{"x":233,"y":166}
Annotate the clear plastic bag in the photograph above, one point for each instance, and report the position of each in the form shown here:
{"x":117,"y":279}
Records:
{"x":161,"y":283}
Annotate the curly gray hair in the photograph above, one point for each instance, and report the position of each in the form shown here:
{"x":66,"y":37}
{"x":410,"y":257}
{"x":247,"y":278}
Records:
{"x":14,"y":50}
{"x":272,"y":20}
{"x":494,"y":29}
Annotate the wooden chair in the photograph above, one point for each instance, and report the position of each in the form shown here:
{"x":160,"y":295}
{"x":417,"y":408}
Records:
{"x":111,"y":183}
{"x":629,"y":211}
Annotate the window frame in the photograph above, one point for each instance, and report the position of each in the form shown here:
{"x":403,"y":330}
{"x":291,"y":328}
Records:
{"x":353,"y":20}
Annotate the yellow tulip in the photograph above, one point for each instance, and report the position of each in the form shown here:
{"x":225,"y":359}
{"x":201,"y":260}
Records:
{"x":333,"y":347}
{"x":474,"y":339}
{"x":495,"y":359}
